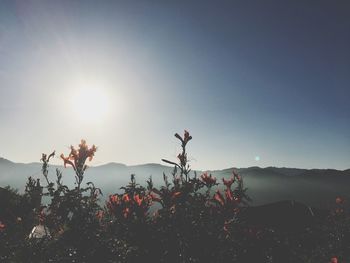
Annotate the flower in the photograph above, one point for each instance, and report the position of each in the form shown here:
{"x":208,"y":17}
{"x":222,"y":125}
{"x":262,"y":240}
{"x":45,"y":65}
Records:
{"x":229,"y":182}
{"x":114,"y":199}
{"x":182,"y":158}
{"x":219,"y":198}
{"x":176,"y":194}
{"x":229,"y":195}
{"x":99,"y":215}
{"x":138,"y":199}
{"x":2,"y":226}
{"x":187,"y":136}
{"x":209,"y":180}
{"x":126,"y":198}
{"x":334,"y":260}
{"x":78,"y":157}
{"x":67,"y":161}
{"x":339,"y":200}
{"x":84,"y":151}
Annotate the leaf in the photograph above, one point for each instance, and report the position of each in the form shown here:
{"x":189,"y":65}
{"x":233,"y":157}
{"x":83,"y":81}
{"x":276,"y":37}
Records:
{"x":169,"y":162}
{"x":51,"y":155}
{"x":179,"y":137}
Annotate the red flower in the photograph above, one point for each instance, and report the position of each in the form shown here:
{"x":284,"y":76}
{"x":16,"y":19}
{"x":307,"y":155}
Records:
{"x":339,"y":200}
{"x":182,"y":158}
{"x":229,"y":182}
{"x":114,"y":199}
{"x":218,"y":197}
{"x":334,"y":260}
{"x":176,"y":194}
{"x":138,"y":199}
{"x":2,"y":226}
{"x":126,"y":198}
{"x":229,"y":195}
{"x":67,"y":161}
{"x":187,"y":136}
{"x":77,"y":157}
{"x":99,"y":215}
{"x":209,"y":180}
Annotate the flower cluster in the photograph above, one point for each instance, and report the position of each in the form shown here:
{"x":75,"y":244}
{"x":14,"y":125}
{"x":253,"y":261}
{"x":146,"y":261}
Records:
{"x":77,"y":158}
{"x":127,"y":205}
{"x":230,"y":198}
{"x":208,"y":180}
{"x":185,"y":139}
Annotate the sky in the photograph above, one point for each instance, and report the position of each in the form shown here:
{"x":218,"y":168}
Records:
{"x":256,"y":83}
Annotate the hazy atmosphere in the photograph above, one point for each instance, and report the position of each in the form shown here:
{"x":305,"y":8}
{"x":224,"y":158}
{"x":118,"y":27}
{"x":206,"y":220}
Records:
{"x":255,"y":82}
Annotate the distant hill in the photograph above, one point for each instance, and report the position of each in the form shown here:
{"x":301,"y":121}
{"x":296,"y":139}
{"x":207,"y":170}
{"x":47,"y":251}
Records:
{"x":4,"y":161}
{"x":315,"y":187}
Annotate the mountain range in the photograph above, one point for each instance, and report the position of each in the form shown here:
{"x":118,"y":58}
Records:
{"x":314,"y":187}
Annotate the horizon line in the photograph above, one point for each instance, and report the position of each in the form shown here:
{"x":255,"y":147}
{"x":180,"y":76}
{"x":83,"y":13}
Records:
{"x":200,"y":170}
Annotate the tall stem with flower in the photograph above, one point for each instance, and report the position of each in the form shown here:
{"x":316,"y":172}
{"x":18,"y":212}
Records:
{"x":77,"y":159}
{"x":183,"y":161}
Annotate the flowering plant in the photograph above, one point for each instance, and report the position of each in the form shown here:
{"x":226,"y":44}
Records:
{"x":190,"y":218}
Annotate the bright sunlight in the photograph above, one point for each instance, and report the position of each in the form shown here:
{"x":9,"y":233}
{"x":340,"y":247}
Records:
{"x":90,"y":104}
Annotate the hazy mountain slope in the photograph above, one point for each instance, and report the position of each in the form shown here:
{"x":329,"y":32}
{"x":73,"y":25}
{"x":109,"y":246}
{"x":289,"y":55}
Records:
{"x":316,"y":187}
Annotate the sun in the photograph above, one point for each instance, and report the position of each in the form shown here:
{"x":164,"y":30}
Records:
{"x":90,"y":104}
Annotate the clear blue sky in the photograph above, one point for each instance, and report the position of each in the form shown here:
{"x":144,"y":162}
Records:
{"x":262,"y":83}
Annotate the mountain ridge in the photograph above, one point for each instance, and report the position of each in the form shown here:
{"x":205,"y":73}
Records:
{"x":5,"y":160}
{"x":265,"y":184}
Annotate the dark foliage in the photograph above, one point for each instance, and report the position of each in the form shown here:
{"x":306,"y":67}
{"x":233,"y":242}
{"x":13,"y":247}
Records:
{"x":190,"y":218}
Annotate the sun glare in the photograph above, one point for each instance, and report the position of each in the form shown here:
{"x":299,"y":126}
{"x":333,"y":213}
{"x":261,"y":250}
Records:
{"x":90,"y":104}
